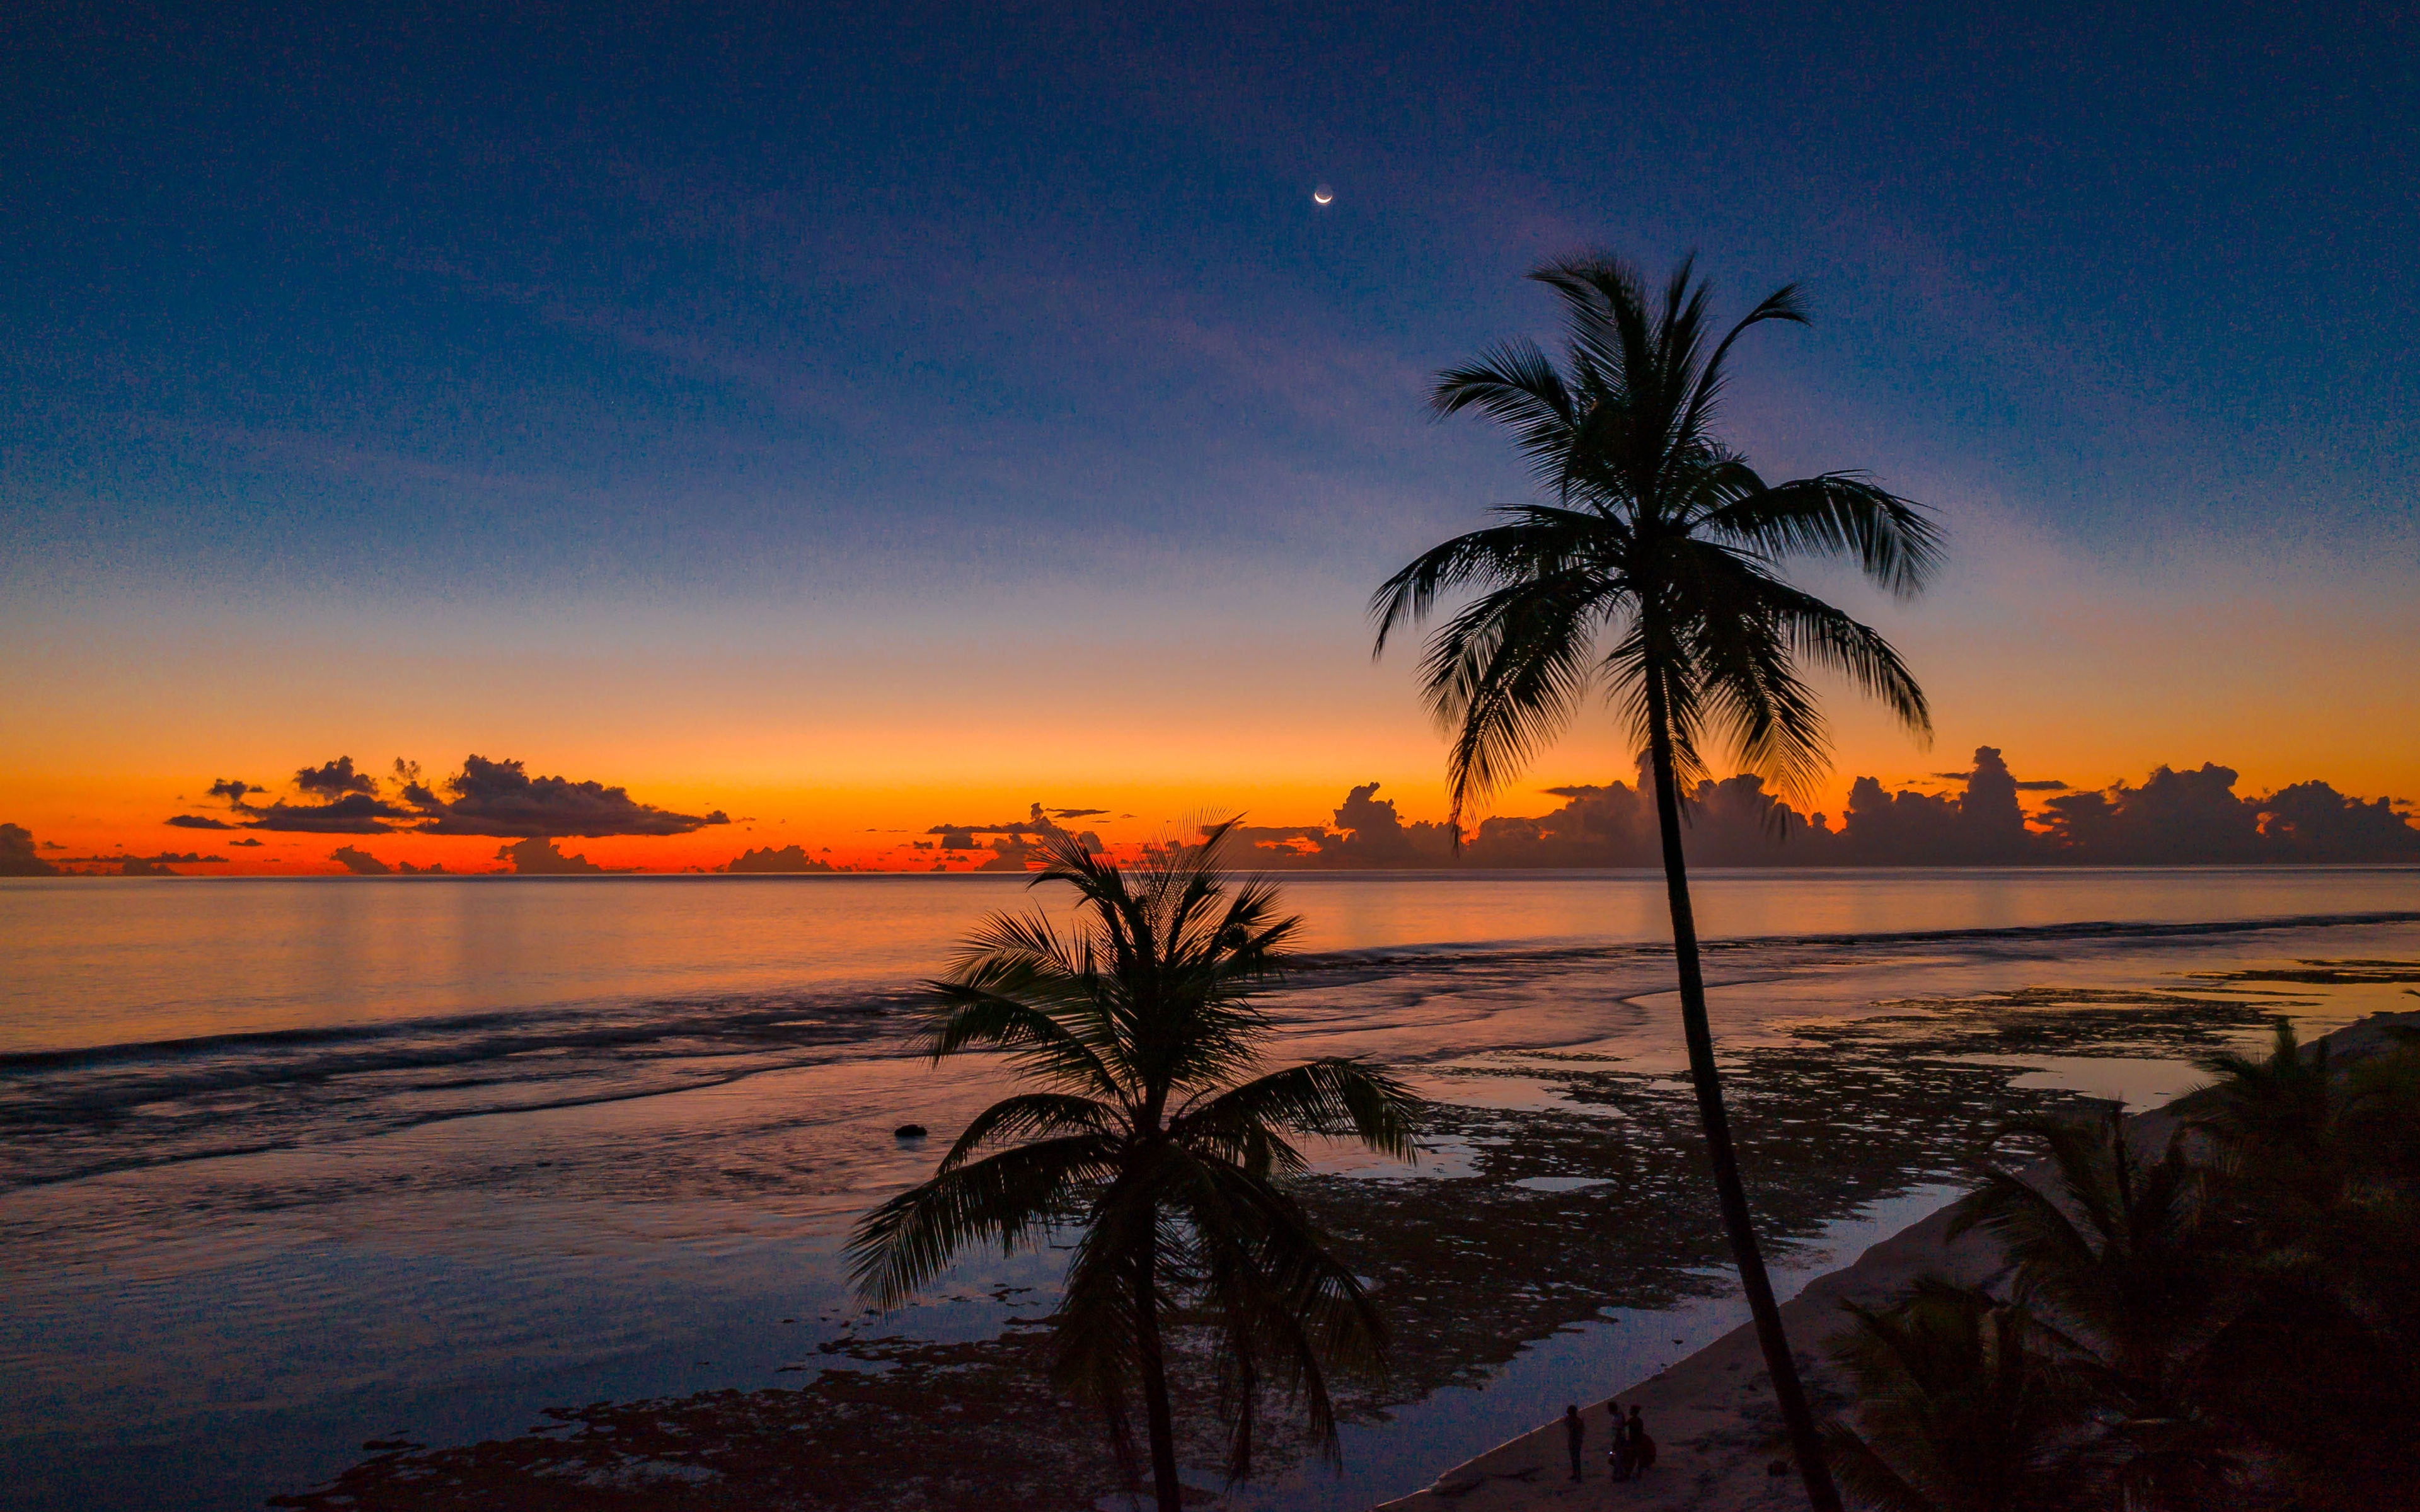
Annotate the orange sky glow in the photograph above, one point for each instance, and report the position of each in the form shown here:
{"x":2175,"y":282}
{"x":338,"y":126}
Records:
{"x":854,"y":745}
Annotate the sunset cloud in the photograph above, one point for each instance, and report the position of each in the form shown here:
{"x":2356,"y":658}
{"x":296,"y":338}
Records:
{"x":500,"y":799}
{"x":539,"y":857}
{"x":356,"y":813}
{"x":17,"y":858}
{"x":360,"y":863}
{"x":1016,"y":845}
{"x":334,"y":779}
{"x":2175,"y":817}
{"x":787,"y":860}
{"x":495,"y":799}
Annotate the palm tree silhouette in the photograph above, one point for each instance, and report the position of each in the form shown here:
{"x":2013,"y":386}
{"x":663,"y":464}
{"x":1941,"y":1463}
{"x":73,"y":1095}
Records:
{"x":2119,"y":1253}
{"x":1651,"y":573}
{"x":1154,"y":1134}
{"x":1960,"y":1406}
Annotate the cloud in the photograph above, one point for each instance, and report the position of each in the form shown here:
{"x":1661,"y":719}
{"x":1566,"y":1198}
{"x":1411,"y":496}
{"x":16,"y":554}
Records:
{"x":17,"y":858}
{"x":2191,"y":817}
{"x":1017,"y":844}
{"x":489,"y":799}
{"x":247,"y":841}
{"x":360,"y":863}
{"x":500,"y":799}
{"x":536,"y":857}
{"x":2196,"y":818}
{"x":335,"y":780}
{"x":1364,"y":832}
{"x":1039,"y":824}
{"x":356,"y":813}
{"x":1077,"y":814}
{"x":2313,"y":822}
{"x":2173,"y":818}
{"x":788,"y":859}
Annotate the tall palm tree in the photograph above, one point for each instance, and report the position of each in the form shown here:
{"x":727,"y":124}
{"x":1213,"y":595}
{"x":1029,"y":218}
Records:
{"x":1651,"y":573}
{"x":1152,"y":1131}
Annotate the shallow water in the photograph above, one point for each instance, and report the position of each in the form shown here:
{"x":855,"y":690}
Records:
{"x":292,"y":1165}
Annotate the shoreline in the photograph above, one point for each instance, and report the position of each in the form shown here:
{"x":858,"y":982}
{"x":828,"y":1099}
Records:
{"x":1717,"y":1434}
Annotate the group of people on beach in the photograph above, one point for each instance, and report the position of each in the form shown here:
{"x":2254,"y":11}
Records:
{"x":1633,"y":1451}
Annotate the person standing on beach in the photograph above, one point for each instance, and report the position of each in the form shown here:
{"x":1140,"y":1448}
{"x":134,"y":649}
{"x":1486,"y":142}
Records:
{"x":1637,"y":1446}
{"x":1574,"y":1431}
{"x":1618,"y":1457}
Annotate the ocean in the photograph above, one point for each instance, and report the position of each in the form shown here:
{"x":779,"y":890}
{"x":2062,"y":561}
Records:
{"x":291,"y":1166}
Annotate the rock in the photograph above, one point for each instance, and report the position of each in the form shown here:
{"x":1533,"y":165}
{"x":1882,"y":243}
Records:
{"x":908,"y":1131}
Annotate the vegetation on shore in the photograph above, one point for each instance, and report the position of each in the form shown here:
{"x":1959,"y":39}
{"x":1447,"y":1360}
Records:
{"x":2229,"y":1319}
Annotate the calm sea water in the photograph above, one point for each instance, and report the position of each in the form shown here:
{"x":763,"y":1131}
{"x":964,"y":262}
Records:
{"x":286,"y":1164}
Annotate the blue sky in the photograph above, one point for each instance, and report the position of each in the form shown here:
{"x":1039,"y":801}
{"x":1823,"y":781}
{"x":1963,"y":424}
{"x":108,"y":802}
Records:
{"x":677,"y":325}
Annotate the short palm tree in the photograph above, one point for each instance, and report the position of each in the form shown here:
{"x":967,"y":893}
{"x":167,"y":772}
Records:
{"x":2276,"y":1121}
{"x":1650,"y":573}
{"x":1962,"y":1407}
{"x":1153,"y":1133}
{"x":2120,"y":1252}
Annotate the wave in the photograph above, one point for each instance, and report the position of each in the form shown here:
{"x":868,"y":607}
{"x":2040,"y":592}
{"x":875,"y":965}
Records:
{"x":67,"y":1114}
{"x":1476,"y":952}
{"x":73,"y":1113}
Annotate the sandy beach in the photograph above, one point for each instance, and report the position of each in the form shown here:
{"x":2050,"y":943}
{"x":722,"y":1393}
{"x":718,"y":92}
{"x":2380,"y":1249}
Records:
{"x":1719,"y":1438}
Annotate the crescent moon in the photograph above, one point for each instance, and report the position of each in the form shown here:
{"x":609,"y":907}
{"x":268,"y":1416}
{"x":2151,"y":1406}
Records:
{"x":1323,"y":196}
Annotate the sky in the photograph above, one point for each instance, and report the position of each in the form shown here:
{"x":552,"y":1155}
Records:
{"x":864,"y":422}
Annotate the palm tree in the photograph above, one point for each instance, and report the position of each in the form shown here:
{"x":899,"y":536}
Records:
{"x":2275,"y":1120}
{"x":1153,"y":1131}
{"x":2122,"y":1253}
{"x":1651,"y":573}
{"x":1961,"y":1406}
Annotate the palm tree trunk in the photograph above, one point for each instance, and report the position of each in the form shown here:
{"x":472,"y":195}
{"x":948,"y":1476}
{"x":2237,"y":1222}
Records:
{"x":1806,"y":1446}
{"x":1155,"y":1382}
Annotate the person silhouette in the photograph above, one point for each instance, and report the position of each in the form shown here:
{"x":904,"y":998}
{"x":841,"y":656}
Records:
{"x":1617,"y":1455}
{"x":1641,"y":1447}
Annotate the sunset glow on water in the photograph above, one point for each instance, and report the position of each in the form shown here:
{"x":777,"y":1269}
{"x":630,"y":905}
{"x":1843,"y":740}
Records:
{"x":329,"y":1159}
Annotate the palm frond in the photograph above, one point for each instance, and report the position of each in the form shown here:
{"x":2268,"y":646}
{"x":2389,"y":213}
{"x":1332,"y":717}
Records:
{"x":1894,"y":541}
{"x":1538,"y":541}
{"x":1507,"y":673}
{"x":1050,"y":1115}
{"x":1330,"y":1096}
{"x":1288,"y":1310}
{"x":1515,"y":385}
{"x":1705,"y":390}
{"x":1036,"y":1037}
{"x":1005,"y":1200}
